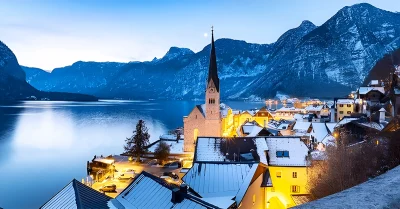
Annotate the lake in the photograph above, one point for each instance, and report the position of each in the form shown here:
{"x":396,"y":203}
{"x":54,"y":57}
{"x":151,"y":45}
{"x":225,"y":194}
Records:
{"x":45,"y":144}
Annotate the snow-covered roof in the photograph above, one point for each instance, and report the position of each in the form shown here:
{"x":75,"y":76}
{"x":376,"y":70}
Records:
{"x":202,"y":109}
{"x":175,"y":147}
{"x":314,"y":108}
{"x":104,"y":160}
{"x":318,"y":155}
{"x":302,"y":126}
{"x":374,"y":82}
{"x":299,"y":117}
{"x":224,"y":180}
{"x":296,"y":150}
{"x":346,"y":120}
{"x":329,"y":140}
{"x":215,"y":149}
{"x":331,"y":126}
{"x":319,"y":131}
{"x":379,"y":192}
{"x":373,"y":125}
{"x":365,"y":90}
{"x":77,"y":195}
{"x":345,"y":101}
{"x":289,"y":109}
{"x":148,"y":191}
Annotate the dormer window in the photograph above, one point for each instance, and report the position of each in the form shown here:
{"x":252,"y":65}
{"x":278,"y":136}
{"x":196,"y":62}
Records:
{"x":282,"y":153}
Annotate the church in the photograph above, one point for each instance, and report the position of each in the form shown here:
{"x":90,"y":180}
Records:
{"x":205,"y":119}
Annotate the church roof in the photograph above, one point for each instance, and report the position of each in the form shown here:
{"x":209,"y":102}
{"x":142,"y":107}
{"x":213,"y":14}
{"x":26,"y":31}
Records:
{"x":212,"y":69}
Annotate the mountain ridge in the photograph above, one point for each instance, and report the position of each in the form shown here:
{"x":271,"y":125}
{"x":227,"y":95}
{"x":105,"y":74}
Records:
{"x":304,"y":61}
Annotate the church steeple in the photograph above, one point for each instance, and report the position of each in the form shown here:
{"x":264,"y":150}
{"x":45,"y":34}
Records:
{"x":212,"y":69}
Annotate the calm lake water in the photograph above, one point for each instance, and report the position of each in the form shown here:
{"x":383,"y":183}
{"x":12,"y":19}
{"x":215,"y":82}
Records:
{"x":44,"y":145}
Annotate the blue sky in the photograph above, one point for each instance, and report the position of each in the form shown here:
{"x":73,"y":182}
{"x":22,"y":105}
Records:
{"x":55,"y":33}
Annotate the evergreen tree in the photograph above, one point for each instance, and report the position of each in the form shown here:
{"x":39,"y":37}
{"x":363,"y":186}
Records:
{"x":137,"y":144}
{"x":162,"y":151}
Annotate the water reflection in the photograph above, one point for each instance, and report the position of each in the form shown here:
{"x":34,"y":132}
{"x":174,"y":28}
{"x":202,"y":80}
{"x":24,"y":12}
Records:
{"x":44,"y":145}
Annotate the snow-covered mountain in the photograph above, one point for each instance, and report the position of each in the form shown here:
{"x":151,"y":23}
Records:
{"x":325,"y":61}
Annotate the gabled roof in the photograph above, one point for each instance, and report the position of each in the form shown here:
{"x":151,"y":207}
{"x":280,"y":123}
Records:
{"x":231,"y":149}
{"x":201,"y":109}
{"x":302,"y":126}
{"x":148,"y":191}
{"x":319,"y":131}
{"x":228,"y":181}
{"x":78,"y":196}
{"x":366,"y":90}
{"x":296,"y":149}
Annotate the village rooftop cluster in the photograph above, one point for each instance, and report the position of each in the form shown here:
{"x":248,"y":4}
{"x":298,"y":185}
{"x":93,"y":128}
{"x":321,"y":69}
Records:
{"x":242,"y":158}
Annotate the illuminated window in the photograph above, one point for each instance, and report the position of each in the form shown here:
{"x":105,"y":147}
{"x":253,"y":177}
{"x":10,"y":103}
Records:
{"x":294,"y":174}
{"x":349,"y":105}
{"x":254,"y":199}
{"x":295,"y":189}
{"x":340,"y":105}
{"x":278,"y":174}
{"x":348,"y":112}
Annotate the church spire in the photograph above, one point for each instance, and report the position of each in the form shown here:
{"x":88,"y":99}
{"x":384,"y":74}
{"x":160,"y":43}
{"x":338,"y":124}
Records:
{"x":212,"y":69}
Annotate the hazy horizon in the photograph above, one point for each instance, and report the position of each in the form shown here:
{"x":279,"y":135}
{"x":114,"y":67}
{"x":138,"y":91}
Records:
{"x":47,"y":35}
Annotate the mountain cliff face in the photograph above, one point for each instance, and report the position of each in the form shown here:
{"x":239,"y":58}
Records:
{"x":13,"y":85}
{"x":325,"y":61}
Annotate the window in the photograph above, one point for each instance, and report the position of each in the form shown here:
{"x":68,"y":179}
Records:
{"x":340,"y":105}
{"x":340,"y":112}
{"x":254,"y":199}
{"x":294,"y":175}
{"x":295,"y":189}
{"x":282,"y":153}
{"x":348,"y":112}
{"x":278,"y":174}
{"x":349,"y":105}
{"x":196,"y":116}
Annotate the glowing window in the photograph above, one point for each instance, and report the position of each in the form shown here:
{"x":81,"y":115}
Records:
{"x":294,"y":174}
{"x":295,"y":189}
{"x":279,"y":174}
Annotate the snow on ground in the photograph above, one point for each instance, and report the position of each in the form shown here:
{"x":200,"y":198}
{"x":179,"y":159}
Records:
{"x":175,"y":148}
{"x":380,"y":192}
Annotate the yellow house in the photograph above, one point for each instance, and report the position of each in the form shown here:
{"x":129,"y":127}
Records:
{"x":345,"y":107}
{"x":262,"y":117}
{"x":287,"y":166}
{"x":227,"y":125}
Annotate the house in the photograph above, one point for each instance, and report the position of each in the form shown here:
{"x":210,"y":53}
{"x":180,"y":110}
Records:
{"x":255,"y":172}
{"x":205,"y":119}
{"x":226,"y":169}
{"x":254,"y":129}
{"x":287,"y":113}
{"x":148,"y":191}
{"x":77,"y":195}
{"x":345,"y":107}
{"x":287,"y":166}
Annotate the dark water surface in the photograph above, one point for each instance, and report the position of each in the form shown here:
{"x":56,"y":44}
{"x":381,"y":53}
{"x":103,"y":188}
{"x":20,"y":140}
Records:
{"x":44,"y":145}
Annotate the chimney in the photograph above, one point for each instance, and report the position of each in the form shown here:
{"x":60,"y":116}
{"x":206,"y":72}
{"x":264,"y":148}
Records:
{"x":183,"y":188}
{"x":332,"y":114}
{"x":382,"y":115}
{"x":178,"y":194}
